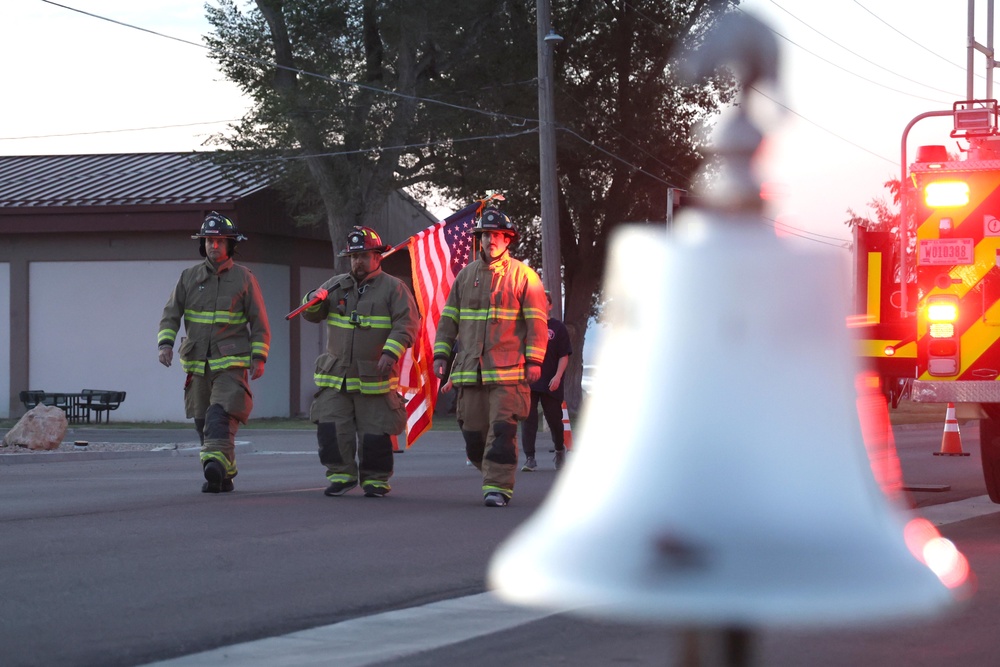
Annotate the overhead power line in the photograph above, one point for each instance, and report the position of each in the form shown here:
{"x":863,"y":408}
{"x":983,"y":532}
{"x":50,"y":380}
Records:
{"x":299,"y":71}
{"x":854,"y":74}
{"x":828,"y":131}
{"x":521,"y":120}
{"x":907,"y":37}
{"x":128,"y":129}
{"x":856,"y":54}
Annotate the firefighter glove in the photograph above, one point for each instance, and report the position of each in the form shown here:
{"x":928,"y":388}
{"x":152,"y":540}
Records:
{"x":385,"y":364}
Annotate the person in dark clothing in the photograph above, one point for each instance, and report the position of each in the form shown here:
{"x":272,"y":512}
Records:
{"x":548,"y":391}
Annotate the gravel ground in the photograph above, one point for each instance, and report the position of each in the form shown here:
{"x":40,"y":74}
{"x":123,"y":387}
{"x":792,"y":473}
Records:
{"x":91,"y":446}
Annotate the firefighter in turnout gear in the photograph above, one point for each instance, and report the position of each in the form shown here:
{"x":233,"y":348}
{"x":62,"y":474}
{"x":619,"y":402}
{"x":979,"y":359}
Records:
{"x":371,"y":319}
{"x":227,"y":335}
{"x":494,"y":325}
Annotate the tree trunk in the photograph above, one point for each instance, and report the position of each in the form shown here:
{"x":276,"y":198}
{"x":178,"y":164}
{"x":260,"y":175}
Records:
{"x":313,"y":146}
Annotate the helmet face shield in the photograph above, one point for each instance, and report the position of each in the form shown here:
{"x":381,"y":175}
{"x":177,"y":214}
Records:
{"x":363,"y":239}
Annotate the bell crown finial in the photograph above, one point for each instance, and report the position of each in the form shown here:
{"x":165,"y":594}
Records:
{"x":746,"y":48}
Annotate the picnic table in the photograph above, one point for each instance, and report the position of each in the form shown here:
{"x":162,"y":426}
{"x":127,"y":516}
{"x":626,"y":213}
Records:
{"x":78,"y":406}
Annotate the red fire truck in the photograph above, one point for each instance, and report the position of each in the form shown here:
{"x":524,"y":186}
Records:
{"x":928,"y":294}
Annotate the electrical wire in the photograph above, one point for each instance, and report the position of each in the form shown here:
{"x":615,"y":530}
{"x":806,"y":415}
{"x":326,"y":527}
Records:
{"x":828,"y":131}
{"x":380,"y":149}
{"x":129,"y":129}
{"x":784,"y":228}
{"x":907,"y":37}
{"x":855,"y":74}
{"x":522,"y":120}
{"x":858,"y":55}
{"x":629,"y":141}
{"x":301,"y":72}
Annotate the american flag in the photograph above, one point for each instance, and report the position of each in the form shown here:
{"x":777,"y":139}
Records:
{"x":437,"y":254}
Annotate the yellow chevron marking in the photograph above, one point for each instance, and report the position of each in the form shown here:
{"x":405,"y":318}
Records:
{"x":874,"y":287}
{"x":876,"y":348}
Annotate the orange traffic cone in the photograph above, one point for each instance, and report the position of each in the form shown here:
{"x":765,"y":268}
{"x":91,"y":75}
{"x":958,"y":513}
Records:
{"x":567,"y":433}
{"x":951,"y":441}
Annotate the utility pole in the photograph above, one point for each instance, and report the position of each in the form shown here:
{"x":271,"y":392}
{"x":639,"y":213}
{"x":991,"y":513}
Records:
{"x":549,"y":184}
{"x":673,"y":200}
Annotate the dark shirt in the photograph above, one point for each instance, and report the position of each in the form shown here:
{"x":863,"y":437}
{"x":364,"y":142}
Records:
{"x":559,"y":346}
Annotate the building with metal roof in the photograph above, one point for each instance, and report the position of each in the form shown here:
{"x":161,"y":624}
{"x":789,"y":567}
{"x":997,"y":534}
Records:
{"x":132,"y":179}
{"x":92,"y":245}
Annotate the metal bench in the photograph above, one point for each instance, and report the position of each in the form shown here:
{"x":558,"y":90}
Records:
{"x":33,"y":397}
{"x":102,"y":401}
{"x":73,"y":404}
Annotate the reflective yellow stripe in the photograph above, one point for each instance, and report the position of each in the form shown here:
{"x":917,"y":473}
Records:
{"x":363,"y":321}
{"x":196,"y":367}
{"x":515,"y":374}
{"x":876,"y":348}
{"x":356,"y":384}
{"x":979,"y":337}
{"x":393,"y":347}
{"x":874,"y":287}
{"x":229,"y":362}
{"x":215,"y":317}
{"x":221,"y":458}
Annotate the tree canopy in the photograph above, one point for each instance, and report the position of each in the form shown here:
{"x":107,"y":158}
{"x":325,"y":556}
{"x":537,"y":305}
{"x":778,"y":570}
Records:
{"x":353,"y":99}
{"x":883,"y":216}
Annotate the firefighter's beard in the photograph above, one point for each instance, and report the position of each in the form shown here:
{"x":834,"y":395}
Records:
{"x":488,"y":258}
{"x":362,"y":271}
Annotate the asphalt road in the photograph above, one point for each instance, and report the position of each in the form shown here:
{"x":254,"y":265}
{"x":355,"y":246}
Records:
{"x":122,"y":561}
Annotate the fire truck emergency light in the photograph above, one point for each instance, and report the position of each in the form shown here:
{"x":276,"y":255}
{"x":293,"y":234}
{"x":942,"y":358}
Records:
{"x":943,"y":194}
{"x":942,"y":309}
{"x":943,"y":347}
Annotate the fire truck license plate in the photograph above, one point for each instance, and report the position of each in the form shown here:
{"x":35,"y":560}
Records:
{"x":940,"y":252}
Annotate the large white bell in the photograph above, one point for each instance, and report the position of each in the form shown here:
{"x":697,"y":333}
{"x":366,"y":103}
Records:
{"x":720,"y":477}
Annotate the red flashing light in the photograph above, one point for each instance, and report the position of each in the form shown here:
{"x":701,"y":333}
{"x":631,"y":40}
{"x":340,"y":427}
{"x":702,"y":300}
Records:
{"x":938,"y":553}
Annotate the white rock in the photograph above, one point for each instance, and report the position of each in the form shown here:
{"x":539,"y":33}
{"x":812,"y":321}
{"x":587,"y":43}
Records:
{"x":42,"y":427}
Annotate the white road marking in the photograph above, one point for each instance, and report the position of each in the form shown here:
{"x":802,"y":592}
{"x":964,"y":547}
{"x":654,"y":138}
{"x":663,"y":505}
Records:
{"x":959,"y":510}
{"x":432,"y":625}
{"x":344,"y":644}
